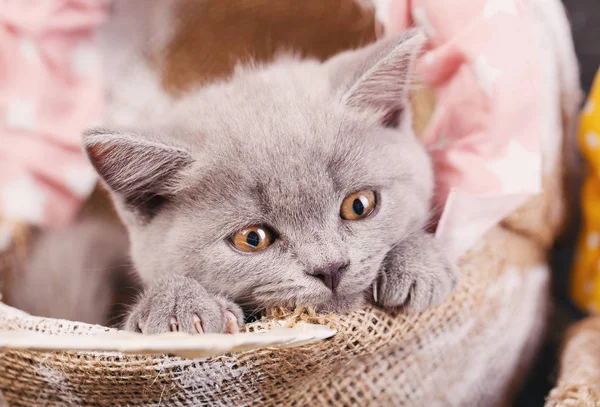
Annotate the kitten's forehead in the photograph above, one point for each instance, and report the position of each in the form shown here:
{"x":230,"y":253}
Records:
{"x":301,"y":188}
{"x":280,"y":142}
{"x":257,"y":184}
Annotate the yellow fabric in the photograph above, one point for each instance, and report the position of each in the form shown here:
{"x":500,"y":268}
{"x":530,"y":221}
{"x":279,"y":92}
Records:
{"x":585,"y":279}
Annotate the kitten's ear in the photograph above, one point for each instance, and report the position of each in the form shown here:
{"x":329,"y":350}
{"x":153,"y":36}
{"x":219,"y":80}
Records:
{"x":379,"y":76}
{"x":143,"y":174}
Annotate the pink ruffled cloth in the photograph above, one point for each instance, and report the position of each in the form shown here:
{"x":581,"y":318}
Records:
{"x":483,"y":64}
{"x":50,"y":90}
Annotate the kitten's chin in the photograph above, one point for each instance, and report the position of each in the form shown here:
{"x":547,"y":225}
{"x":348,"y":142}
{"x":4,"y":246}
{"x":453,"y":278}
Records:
{"x":322,"y":303}
{"x":321,"y":300}
{"x":341,"y":303}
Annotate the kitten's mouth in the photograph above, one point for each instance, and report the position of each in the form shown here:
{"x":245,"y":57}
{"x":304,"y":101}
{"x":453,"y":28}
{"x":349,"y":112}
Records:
{"x":354,"y":291}
{"x":345,"y":298}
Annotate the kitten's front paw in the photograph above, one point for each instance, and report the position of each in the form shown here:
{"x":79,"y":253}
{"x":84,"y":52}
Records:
{"x":178,"y":303}
{"x":415,"y":275}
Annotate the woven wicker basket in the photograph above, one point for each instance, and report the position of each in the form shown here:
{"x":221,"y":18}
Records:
{"x":472,"y":350}
{"x":579,"y":378}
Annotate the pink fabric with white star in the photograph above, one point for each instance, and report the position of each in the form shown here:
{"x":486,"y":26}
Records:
{"x":483,"y":65}
{"x":50,"y":90}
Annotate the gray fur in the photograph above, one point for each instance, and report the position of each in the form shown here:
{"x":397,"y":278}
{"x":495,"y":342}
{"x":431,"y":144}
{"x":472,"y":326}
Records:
{"x":413,"y":278}
{"x":181,"y":297}
{"x":280,"y":145}
{"x":75,"y":273}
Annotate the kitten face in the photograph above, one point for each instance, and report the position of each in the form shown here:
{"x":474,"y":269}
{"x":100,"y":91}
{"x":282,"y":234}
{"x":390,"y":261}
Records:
{"x":278,"y":147}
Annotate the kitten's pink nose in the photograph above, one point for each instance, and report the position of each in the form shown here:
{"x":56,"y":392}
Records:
{"x":331,"y":274}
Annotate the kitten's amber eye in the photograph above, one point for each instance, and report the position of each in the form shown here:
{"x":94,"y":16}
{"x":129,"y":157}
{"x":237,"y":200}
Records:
{"x":253,"y":239}
{"x":358,"y":205}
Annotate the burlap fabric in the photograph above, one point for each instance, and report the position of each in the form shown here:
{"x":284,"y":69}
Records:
{"x":579,"y":376}
{"x":470,"y":351}
{"x":473,"y":350}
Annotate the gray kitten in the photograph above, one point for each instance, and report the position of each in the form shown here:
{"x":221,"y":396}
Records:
{"x":297,"y":183}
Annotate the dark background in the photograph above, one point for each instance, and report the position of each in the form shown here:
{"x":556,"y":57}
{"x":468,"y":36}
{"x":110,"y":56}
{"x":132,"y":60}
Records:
{"x":585,"y":24}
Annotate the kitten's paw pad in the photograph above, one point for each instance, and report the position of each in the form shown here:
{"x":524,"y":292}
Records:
{"x":183,"y":306}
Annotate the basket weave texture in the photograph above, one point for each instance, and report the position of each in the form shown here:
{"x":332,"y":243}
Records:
{"x":487,"y":331}
{"x":472,"y":350}
{"x":579,"y":378}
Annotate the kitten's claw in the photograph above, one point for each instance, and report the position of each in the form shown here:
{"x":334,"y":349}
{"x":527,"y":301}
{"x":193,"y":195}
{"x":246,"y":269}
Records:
{"x":198,"y":324}
{"x":375,"y":295}
{"x":179,"y":303}
{"x":172,"y":325}
{"x":232,"y":323}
